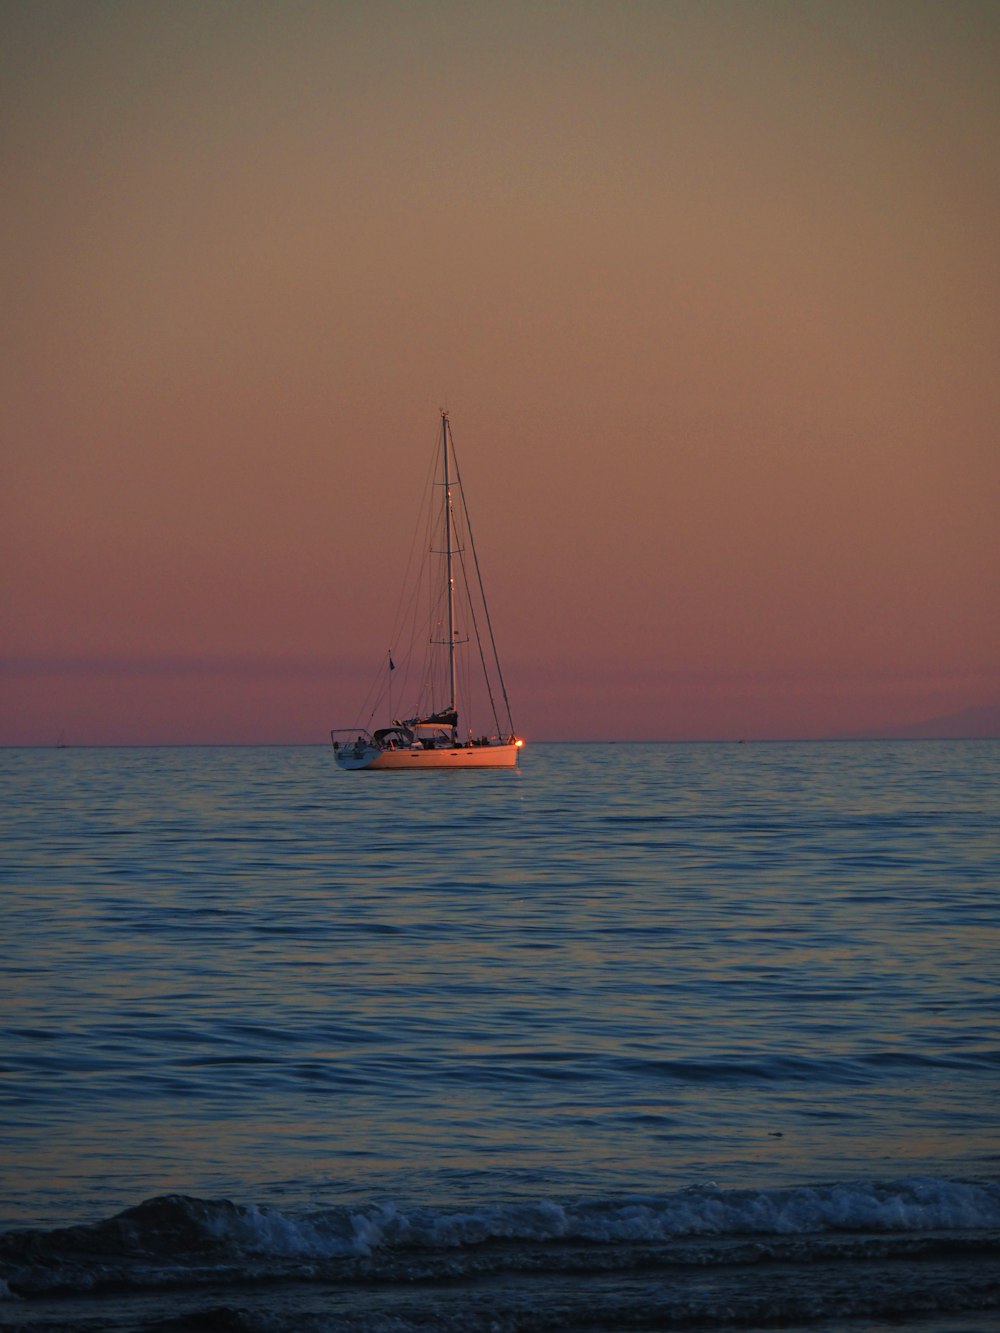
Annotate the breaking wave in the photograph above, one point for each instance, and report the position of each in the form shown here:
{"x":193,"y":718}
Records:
{"x":912,"y":1245}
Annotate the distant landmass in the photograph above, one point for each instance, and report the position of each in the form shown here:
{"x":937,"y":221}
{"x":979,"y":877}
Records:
{"x":968,"y":724}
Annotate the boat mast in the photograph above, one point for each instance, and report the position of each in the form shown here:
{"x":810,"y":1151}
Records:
{"x":448,"y":563}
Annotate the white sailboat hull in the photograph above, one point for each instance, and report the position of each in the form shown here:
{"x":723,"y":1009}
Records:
{"x":456,"y":756}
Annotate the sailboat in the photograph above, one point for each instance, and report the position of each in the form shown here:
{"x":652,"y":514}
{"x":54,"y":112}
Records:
{"x":448,"y":682}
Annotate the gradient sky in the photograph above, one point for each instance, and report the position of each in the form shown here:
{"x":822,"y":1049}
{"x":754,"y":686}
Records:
{"x":711,"y":290}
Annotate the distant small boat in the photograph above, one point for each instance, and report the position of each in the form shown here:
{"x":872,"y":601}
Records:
{"x":61,"y":742}
{"x":445,"y":689}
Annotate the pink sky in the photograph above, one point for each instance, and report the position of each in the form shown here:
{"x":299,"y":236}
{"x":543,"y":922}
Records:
{"x":712,"y":292}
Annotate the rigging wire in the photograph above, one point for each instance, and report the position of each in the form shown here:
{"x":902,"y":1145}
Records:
{"x":425,"y":588}
{"x":470,"y":603}
{"x":407,"y":607}
{"x":482,"y":592}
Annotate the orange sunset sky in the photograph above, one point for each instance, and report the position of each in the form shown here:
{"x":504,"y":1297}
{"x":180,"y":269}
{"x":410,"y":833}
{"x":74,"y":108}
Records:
{"x":710,"y":289}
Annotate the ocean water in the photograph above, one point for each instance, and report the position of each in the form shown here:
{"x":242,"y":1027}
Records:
{"x":637,"y":1037}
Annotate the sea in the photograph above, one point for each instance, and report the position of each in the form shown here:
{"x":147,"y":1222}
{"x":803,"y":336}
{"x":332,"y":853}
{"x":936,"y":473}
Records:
{"x":636,"y":1037}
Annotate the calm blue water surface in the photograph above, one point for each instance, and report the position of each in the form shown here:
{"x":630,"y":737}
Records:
{"x":623,"y":971}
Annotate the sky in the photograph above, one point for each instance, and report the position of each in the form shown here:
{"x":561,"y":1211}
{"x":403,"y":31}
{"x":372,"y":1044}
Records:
{"x":711,"y":291}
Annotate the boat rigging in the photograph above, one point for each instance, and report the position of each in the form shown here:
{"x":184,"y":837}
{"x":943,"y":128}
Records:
{"x":430,"y":736}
